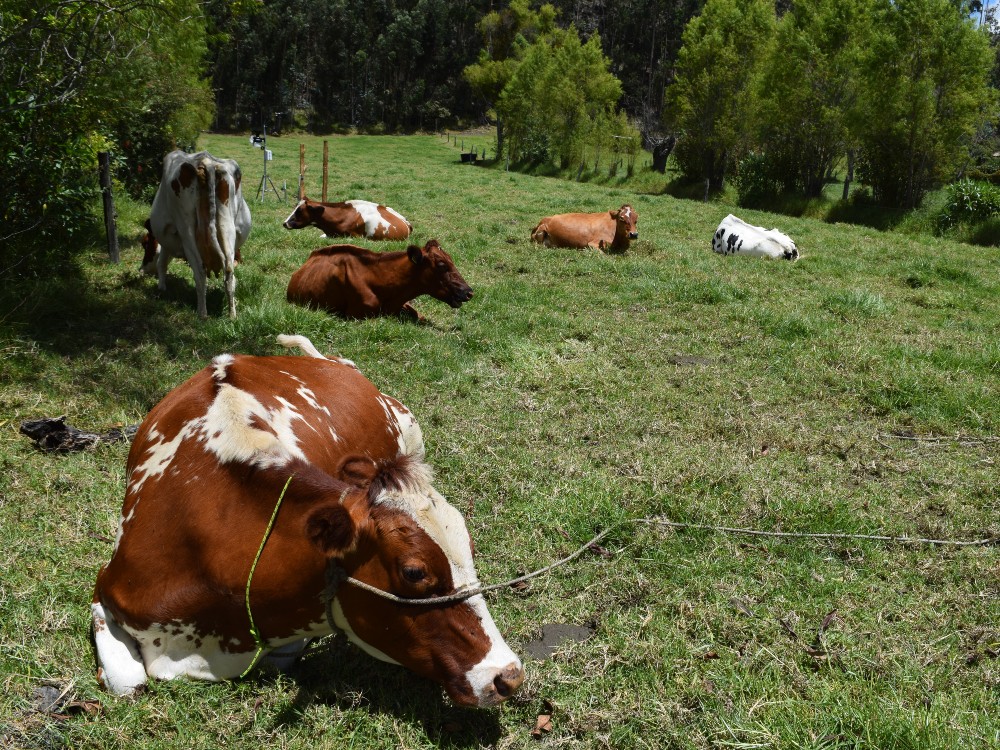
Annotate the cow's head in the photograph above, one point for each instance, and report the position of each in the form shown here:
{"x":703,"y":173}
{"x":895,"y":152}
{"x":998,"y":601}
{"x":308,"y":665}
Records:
{"x":438,"y":274}
{"x":626,"y":222}
{"x":150,"y":247}
{"x":400,"y":536}
{"x":306,"y":213}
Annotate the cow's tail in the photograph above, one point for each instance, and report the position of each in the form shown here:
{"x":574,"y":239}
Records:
{"x":221,"y":229}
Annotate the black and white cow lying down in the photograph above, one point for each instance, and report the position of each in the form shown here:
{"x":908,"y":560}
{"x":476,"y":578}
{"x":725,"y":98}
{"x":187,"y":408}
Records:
{"x":735,"y":237}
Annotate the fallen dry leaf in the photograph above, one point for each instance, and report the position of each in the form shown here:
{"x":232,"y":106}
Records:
{"x":543,"y":724}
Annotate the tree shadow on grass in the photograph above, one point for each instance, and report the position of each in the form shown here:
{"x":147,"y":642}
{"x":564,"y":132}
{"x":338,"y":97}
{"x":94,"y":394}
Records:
{"x":111,"y":317}
{"x":339,"y":674}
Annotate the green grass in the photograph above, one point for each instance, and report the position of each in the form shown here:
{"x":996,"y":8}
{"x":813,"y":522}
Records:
{"x":575,"y":390}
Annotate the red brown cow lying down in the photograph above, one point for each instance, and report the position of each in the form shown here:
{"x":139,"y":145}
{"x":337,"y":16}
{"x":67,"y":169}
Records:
{"x":357,"y":283}
{"x":350,"y":219}
{"x":609,"y":230}
{"x":205,"y":473}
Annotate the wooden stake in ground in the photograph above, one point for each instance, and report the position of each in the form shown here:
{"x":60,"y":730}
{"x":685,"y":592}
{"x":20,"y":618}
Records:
{"x":326,"y":165}
{"x":302,"y":171}
{"x":110,"y":223}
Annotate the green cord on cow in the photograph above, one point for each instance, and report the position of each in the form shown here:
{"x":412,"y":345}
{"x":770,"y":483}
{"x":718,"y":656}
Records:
{"x":253,"y":626}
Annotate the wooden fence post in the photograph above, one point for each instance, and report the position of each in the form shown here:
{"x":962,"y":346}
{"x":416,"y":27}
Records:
{"x":110,"y":224}
{"x":302,"y":171}
{"x":326,"y":163}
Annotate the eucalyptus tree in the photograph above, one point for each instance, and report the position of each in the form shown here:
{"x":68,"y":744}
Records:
{"x":924,"y":92}
{"x":711,"y":102}
{"x":807,"y":90}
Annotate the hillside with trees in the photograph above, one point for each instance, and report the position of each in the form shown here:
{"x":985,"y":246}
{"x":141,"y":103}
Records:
{"x":772,"y":97}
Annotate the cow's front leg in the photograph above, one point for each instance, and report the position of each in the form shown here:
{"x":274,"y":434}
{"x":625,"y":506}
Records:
{"x":409,"y":312}
{"x":162,"y":261}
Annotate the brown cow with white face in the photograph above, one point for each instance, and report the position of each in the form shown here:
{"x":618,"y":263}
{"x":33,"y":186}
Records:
{"x":344,"y":466}
{"x":355,"y":218}
{"x":357,"y":283}
{"x":608,"y":230}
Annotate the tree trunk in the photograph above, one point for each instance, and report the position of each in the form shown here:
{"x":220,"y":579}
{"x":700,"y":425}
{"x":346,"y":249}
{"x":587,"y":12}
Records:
{"x":850,"y":172}
{"x":661,"y":152}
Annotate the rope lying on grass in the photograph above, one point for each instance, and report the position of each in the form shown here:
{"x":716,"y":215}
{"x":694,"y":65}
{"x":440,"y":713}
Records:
{"x":468,"y":593}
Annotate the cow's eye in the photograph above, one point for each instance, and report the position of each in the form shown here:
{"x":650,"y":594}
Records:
{"x":413,"y":574}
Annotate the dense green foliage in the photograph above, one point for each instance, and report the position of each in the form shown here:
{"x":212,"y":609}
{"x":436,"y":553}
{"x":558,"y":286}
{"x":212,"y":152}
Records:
{"x":807,"y":90}
{"x":561,"y":100}
{"x":970,"y":203}
{"x":924,"y":93}
{"x":903,"y":84}
{"x":80,"y":76}
{"x":711,"y":103}
{"x":322,"y":64}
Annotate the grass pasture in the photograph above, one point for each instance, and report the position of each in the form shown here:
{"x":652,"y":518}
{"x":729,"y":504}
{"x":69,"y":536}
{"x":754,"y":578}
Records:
{"x":857,"y":390}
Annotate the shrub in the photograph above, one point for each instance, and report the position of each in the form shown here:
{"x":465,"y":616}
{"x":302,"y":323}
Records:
{"x":969,"y":203}
{"x":755,"y":181}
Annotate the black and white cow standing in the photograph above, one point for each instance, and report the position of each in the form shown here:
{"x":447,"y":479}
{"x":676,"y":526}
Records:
{"x":735,"y":237}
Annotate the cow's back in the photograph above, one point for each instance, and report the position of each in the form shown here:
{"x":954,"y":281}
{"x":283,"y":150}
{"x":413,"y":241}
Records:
{"x":200,"y":473}
{"x":575,"y":230}
{"x":330,"y":278}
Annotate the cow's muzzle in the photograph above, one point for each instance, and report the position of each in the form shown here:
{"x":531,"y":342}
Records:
{"x":459,"y":296}
{"x":504,"y":684}
{"x":633,"y":235}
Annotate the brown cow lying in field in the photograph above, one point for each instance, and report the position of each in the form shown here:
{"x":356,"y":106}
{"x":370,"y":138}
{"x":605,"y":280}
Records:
{"x":350,"y":219}
{"x":608,"y":230}
{"x":353,"y":282}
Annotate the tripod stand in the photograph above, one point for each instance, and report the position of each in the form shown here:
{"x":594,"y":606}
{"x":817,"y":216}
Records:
{"x":265,"y":181}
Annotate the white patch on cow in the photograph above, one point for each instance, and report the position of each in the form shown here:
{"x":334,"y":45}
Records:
{"x":221,"y":364}
{"x":119,"y":667}
{"x":398,"y":215}
{"x":289,"y":218}
{"x":335,"y":436}
{"x":402,"y":423}
{"x":499,"y":658}
{"x":159,"y":455}
{"x":227,"y":429}
{"x":310,"y":398}
{"x":371,"y":217}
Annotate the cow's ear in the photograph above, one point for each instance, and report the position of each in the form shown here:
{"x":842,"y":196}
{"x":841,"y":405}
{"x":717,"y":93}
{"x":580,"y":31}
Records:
{"x":314,"y":209}
{"x":331,"y":529}
{"x":415,"y":254}
{"x":615,"y":214}
{"x":357,"y":470}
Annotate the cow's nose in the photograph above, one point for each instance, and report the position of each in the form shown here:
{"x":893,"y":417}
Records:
{"x":508,"y":680}
{"x":633,"y":235}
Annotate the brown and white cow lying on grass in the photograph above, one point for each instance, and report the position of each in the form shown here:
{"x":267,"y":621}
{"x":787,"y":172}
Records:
{"x":355,"y":218}
{"x":608,"y":230}
{"x":341,"y":467}
{"x":357,"y":283}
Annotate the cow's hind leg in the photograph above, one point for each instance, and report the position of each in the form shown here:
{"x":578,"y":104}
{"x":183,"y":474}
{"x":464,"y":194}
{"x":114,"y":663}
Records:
{"x":119,"y":666}
{"x":231,"y":290}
